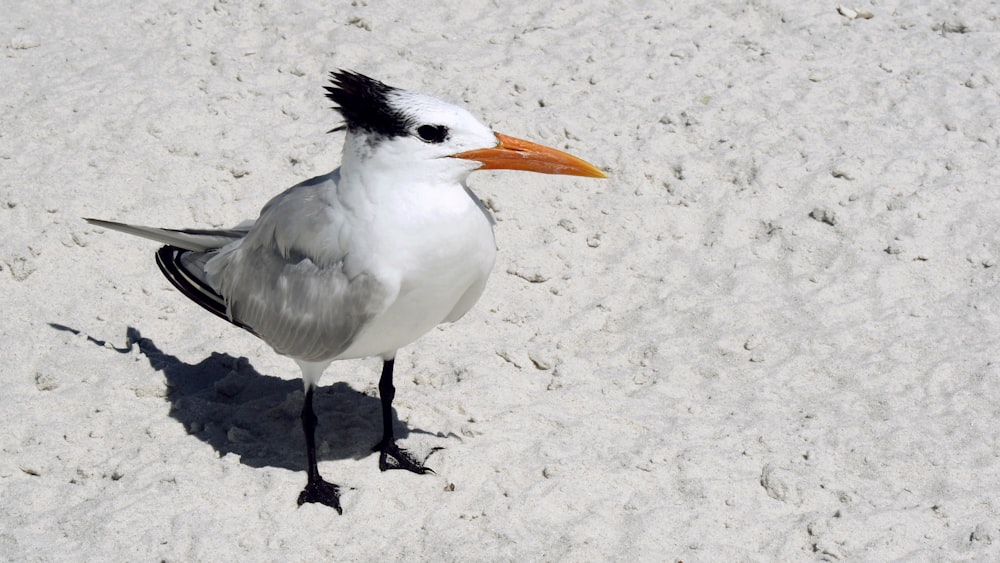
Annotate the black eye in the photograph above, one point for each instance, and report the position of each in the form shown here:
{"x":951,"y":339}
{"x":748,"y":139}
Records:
{"x":433,"y":133}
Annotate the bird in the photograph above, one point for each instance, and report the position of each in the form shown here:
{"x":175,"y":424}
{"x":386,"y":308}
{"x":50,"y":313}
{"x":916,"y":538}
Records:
{"x":365,"y":259}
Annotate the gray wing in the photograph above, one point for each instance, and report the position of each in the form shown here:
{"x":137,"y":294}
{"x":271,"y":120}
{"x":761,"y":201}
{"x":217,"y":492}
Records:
{"x":288,"y":277}
{"x":298,"y":280}
{"x":303,"y":310}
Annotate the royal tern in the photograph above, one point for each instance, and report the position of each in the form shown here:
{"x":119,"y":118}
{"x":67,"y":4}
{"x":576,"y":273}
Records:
{"x":364,"y":260}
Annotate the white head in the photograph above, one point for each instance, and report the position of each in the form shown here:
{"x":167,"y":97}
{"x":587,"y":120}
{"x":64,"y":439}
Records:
{"x":410,"y":131}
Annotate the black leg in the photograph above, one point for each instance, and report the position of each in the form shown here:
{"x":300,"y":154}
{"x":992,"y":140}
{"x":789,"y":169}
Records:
{"x":317,"y":490}
{"x":387,"y":392}
{"x":392,"y":456}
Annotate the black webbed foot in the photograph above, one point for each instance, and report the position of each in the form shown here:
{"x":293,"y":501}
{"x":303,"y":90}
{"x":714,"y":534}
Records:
{"x":392,"y":456}
{"x":322,"y":492}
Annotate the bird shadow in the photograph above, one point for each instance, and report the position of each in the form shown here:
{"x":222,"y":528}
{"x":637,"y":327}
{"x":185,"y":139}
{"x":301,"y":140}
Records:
{"x":225,"y":402}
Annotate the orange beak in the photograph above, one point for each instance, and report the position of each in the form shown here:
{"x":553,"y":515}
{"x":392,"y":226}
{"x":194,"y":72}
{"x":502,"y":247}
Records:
{"x":517,"y":154}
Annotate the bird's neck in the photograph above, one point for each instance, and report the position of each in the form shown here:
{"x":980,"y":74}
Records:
{"x":382,"y":175}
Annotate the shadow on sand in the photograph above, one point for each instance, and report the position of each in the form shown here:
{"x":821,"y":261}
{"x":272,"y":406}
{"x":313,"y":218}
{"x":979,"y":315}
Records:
{"x":225,"y":402}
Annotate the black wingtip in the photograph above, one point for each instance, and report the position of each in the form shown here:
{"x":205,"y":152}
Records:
{"x":168,"y":258}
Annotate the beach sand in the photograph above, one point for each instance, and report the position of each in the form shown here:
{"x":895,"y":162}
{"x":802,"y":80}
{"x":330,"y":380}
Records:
{"x":773,"y":334}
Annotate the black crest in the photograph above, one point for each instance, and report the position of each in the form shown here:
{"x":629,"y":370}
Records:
{"x":364,"y":103}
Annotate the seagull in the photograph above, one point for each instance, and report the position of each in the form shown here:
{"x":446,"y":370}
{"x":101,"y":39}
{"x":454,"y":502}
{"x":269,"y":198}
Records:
{"x":363,"y":260}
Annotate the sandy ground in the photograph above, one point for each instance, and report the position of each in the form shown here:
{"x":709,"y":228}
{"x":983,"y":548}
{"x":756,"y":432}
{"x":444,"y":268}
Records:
{"x":772,"y":334}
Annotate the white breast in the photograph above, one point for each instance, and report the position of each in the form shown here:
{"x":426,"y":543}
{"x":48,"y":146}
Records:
{"x":439,"y":249}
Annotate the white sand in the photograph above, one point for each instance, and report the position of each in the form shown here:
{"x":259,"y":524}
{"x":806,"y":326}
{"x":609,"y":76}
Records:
{"x":772,"y":334}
